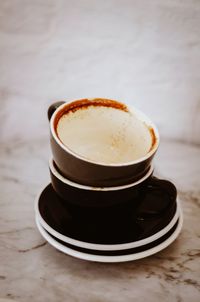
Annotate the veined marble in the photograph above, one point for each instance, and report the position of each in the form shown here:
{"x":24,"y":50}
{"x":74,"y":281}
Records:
{"x":145,"y":53}
{"x":32,"y":270}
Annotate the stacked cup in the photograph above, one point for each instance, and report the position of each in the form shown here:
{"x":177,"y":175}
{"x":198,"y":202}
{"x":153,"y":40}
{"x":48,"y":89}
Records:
{"x":103,"y":203}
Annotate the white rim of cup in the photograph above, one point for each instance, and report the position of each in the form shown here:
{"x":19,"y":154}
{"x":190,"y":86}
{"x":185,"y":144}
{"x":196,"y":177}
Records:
{"x":91,"y":188}
{"x":140,"y":115}
{"x":104,"y":247}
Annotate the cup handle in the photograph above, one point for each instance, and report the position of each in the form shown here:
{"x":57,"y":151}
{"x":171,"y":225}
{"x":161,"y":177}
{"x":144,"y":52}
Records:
{"x":162,"y":183}
{"x":53,"y":108}
{"x":152,"y":205}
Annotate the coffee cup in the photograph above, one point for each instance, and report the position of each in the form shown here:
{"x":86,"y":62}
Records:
{"x":88,"y":196}
{"x":101,"y":142}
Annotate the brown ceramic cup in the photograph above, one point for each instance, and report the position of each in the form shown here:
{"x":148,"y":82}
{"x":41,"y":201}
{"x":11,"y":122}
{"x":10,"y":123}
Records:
{"x":88,"y":196}
{"x":101,"y":142}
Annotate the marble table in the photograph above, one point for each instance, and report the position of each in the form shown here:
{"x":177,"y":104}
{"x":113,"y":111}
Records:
{"x":32,"y":270}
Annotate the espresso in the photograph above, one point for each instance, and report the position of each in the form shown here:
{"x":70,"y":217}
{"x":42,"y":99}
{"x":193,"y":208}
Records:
{"x":105,"y":135}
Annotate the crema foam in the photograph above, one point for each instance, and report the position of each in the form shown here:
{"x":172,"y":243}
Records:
{"x":104,"y":134}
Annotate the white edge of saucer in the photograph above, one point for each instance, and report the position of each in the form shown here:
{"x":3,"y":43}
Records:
{"x":111,"y":259}
{"x":105,"y":247}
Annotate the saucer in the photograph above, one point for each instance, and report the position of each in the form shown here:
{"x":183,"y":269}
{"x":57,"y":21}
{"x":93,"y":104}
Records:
{"x":58,"y":218}
{"x":114,"y":256}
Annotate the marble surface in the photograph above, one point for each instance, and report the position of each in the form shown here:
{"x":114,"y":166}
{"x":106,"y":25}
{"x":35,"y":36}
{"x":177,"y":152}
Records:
{"x":32,"y":270}
{"x":145,"y":53}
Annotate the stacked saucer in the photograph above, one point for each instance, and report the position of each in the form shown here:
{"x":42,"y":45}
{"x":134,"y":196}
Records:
{"x":122,"y":215}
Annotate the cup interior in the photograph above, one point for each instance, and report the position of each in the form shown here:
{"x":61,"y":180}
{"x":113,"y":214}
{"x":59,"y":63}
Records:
{"x":104,"y":131}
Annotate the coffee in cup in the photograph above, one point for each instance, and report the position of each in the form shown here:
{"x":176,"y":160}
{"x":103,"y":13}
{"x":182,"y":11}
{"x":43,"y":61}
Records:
{"x":102,"y":134}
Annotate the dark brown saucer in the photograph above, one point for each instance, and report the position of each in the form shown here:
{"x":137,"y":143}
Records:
{"x":129,"y":251}
{"x":126,"y":222}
